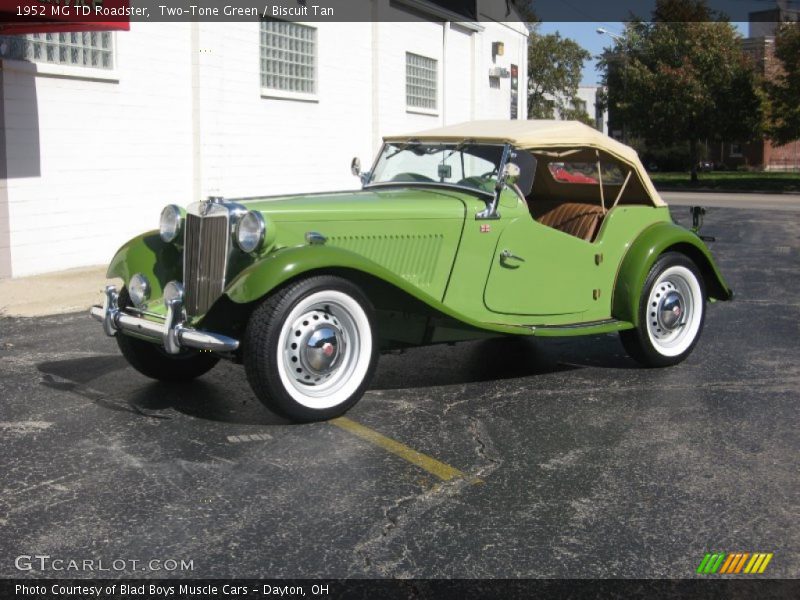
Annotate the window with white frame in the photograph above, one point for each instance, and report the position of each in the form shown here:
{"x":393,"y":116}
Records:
{"x":91,"y":49}
{"x":288,"y":57}
{"x":421,"y":82}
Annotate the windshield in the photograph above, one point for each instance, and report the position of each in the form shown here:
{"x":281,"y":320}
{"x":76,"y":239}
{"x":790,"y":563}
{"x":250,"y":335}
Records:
{"x":466,"y":164}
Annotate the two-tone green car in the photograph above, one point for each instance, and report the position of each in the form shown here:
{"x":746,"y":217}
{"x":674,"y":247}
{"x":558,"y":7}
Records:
{"x":483,"y":229}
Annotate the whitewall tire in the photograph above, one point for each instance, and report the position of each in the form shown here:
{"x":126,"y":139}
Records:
{"x":671,"y":313}
{"x":310,"y":348}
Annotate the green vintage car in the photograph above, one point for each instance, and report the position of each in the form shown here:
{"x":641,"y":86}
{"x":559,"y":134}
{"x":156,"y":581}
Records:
{"x":487,"y":228}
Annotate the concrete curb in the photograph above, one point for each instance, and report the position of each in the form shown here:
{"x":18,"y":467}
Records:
{"x":53,"y":293}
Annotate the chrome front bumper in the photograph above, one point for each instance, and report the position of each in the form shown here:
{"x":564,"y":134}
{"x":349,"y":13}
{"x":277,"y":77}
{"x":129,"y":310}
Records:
{"x":172,"y":333}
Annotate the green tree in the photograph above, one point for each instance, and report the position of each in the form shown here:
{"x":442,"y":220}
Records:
{"x":554,"y":74}
{"x":784,"y":90}
{"x":673,"y":80}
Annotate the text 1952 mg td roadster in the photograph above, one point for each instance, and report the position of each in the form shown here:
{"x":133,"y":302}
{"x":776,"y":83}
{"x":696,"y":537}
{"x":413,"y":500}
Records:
{"x":488,"y":228}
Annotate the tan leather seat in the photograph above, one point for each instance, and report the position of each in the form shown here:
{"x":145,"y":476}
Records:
{"x":574,"y":218}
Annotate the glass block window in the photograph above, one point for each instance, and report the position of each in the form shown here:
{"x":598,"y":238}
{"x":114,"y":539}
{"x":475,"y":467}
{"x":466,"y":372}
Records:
{"x":288,"y":57}
{"x":93,"y":49}
{"x":421,"y":75}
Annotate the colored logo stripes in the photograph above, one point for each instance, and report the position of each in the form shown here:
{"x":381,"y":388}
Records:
{"x":734,"y":563}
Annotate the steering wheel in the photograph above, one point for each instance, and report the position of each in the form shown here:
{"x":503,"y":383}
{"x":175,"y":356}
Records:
{"x":478,"y":181}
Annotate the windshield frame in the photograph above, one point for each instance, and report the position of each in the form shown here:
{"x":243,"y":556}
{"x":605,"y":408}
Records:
{"x":437,"y":184}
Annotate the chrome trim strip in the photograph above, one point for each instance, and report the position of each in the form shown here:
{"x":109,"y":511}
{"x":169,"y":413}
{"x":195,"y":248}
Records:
{"x":172,"y":333}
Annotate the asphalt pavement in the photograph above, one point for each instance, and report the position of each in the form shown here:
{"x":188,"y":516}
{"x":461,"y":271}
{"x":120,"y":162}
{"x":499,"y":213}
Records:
{"x":566,"y":459}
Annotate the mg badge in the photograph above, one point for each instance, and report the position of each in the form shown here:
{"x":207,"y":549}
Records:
{"x":204,"y":208}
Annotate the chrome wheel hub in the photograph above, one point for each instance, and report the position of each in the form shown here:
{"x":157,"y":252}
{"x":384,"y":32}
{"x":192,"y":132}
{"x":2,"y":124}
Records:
{"x":315,"y":347}
{"x":670,"y":310}
{"x":321,"y":349}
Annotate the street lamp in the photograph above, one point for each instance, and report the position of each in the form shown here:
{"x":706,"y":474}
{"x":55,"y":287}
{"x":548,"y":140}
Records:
{"x":604,"y":31}
{"x":619,"y":40}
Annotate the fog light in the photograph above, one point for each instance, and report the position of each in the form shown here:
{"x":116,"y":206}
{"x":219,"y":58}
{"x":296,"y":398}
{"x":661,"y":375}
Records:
{"x":139,"y":290}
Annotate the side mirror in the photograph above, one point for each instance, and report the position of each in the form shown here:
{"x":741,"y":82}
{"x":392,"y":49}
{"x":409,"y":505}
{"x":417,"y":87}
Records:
{"x":510,"y":174}
{"x":355,"y":169}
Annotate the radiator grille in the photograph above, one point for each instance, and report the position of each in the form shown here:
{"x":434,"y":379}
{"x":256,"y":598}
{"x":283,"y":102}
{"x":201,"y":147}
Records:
{"x":205,"y":250}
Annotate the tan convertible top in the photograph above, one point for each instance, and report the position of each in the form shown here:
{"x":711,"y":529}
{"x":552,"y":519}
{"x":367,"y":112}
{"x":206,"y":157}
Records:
{"x":537,"y":134}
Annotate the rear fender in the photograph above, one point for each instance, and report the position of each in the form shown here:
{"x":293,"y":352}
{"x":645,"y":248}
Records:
{"x":643,"y":253}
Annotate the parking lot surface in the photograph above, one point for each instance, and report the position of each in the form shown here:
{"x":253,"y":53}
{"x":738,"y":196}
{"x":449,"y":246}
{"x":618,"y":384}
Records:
{"x":501,"y":458}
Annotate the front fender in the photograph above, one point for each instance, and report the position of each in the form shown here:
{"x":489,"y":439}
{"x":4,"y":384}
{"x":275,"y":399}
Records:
{"x":150,"y":255}
{"x":643,"y":253}
{"x":264,"y":276}
{"x":282,"y":265}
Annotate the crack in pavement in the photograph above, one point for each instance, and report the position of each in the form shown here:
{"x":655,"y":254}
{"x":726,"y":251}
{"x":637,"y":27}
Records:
{"x":484,"y":447}
{"x":412,"y":507}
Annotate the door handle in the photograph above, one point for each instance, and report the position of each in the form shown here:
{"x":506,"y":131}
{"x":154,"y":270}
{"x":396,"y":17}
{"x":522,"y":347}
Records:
{"x":507,"y":255}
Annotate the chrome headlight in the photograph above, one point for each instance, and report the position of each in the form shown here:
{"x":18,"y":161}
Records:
{"x":250,"y":231}
{"x":173,"y":291}
{"x":171,"y":221}
{"x":139,"y":290}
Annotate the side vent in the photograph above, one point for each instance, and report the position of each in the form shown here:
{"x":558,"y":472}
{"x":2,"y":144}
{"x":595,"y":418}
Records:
{"x":413,"y":257}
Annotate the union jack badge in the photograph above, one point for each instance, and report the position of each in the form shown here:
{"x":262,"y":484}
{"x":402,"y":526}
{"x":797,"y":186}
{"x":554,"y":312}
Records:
{"x":486,"y":228}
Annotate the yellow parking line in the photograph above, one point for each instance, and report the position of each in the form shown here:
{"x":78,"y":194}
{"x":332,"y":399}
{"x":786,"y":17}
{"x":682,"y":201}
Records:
{"x":431,"y":465}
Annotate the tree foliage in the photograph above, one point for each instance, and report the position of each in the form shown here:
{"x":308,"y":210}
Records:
{"x":784,"y":90}
{"x":673,"y":80}
{"x":554,"y":74}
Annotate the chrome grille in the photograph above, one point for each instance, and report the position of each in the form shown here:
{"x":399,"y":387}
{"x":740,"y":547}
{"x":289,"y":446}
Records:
{"x":205,"y":255}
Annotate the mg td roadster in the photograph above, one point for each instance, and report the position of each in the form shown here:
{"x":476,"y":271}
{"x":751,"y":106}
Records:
{"x":483,"y":229}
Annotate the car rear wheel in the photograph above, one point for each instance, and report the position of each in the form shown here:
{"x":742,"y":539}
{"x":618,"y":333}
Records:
{"x":671,"y":313}
{"x":309,"y":350}
{"x":153,"y":361}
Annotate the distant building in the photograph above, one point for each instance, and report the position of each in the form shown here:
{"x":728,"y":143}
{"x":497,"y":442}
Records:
{"x":588,"y":95}
{"x":760,"y":47}
{"x":587,"y":101}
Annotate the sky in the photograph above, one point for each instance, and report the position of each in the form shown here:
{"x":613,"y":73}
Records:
{"x":585,"y":33}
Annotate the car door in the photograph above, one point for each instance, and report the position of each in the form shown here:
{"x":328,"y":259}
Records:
{"x":538,"y":270}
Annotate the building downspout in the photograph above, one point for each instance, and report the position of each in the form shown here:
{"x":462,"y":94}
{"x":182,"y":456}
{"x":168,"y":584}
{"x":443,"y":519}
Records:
{"x":376,"y":115}
{"x":197,"y":159}
{"x":5,"y":222}
{"x":445,"y":35}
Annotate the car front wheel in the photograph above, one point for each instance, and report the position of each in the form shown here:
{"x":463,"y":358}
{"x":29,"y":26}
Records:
{"x":671,"y":313}
{"x":309,"y":350}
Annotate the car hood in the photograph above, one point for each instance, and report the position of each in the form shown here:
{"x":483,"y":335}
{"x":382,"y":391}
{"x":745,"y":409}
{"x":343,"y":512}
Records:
{"x":361,"y":205}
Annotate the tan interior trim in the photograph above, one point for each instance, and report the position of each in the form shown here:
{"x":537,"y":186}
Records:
{"x":560,"y":154}
{"x":600,"y":181}
{"x":622,"y":189}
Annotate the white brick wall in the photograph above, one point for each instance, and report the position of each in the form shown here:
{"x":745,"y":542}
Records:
{"x":109,"y":153}
{"x":92,"y":162}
